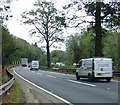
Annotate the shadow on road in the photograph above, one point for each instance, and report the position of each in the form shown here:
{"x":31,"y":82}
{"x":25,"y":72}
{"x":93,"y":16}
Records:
{"x":94,"y":81}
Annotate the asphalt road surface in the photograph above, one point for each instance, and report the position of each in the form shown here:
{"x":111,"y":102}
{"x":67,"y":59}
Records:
{"x":67,"y":87}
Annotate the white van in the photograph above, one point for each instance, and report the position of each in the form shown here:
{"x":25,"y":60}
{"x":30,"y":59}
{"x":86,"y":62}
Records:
{"x":34,"y":65}
{"x":95,"y":68}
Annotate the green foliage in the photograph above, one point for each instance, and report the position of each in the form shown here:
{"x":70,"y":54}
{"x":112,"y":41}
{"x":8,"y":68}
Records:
{"x":103,"y":14}
{"x":14,"y":49}
{"x":57,"y":56}
{"x":14,"y":97}
{"x":82,"y":46}
{"x":110,"y":48}
{"x":109,"y":13}
{"x":7,"y":45}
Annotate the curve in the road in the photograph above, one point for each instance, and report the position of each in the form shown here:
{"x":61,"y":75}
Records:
{"x":65,"y":101}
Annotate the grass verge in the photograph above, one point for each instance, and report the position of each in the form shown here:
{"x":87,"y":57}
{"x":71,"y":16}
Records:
{"x":14,"y":96}
{"x":5,"y":77}
{"x":116,"y":77}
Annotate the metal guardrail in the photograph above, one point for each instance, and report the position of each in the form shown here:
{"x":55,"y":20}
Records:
{"x":116,"y":73}
{"x":74,"y":69}
{"x":7,"y":86}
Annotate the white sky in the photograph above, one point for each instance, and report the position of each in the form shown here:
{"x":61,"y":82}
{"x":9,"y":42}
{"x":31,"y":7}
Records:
{"x":20,"y":30}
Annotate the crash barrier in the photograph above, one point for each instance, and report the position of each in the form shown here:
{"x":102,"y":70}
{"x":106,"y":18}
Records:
{"x":116,"y":73}
{"x":65,"y":70}
{"x":73,"y":70}
{"x":5,"y":88}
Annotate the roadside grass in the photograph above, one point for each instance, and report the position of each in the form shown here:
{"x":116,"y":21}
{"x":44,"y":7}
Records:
{"x":14,"y":95}
{"x":5,"y":77}
{"x":116,"y":77}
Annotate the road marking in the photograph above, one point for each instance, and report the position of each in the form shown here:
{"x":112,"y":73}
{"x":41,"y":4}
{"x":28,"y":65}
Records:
{"x":56,"y":73}
{"x":39,"y":73}
{"x":51,"y":76}
{"x":81,"y":83}
{"x":33,"y":71}
{"x":56,"y":96}
{"x":41,"y":70}
{"x":115,"y":80}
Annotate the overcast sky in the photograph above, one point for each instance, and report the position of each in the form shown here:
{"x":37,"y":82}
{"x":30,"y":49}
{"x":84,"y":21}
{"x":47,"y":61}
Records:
{"x":20,"y":30}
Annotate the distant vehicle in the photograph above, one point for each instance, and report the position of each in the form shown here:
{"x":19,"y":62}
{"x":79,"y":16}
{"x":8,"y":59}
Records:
{"x":74,"y":64}
{"x":60,"y":64}
{"x":95,"y":68}
{"x":34,"y":65}
{"x":52,"y":64}
{"x":24,"y":62}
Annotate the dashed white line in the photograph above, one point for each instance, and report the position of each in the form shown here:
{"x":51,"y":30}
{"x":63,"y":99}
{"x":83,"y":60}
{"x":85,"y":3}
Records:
{"x":41,"y":70}
{"x":33,"y":71}
{"x":57,"y":73}
{"x":81,"y":83}
{"x":51,"y":76}
{"x":115,"y":80}
{"x":39,"y":73}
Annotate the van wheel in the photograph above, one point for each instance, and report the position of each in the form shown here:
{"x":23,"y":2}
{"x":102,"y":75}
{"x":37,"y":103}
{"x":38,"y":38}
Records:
{"x":90,"y":78}
{"x":77,"y":76}
{"x":108,"y":79}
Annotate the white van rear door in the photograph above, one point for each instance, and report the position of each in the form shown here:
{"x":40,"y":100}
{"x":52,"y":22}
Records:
{"x":103,"y":68}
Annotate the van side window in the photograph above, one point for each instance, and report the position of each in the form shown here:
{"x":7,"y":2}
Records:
{"x":80,"y":63}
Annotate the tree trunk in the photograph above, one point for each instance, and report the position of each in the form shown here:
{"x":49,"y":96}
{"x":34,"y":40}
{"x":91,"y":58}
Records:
{"x":98,"y":29}
{"x":48,"y":55}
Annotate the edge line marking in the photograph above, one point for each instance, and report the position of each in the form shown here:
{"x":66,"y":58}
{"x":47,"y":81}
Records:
{"x":56,"y":96}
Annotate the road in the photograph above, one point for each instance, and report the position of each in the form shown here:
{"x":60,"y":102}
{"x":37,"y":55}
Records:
{"x":67,"y":87}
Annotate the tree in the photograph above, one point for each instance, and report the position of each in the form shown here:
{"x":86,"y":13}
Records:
{"x":106,"y":14}
{"x":57,"y":56}
{"x":5,"y":11}
{"x":14,"y":48}
{"x":8,"y":46}
{"x":47,"y":24}
{"x":103,"y":15}
{"x":80,"y":46}
{"x":111,"y":47}
{"x":98,"y":31}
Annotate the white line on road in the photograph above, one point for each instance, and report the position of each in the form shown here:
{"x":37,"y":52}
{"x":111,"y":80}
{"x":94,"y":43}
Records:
{"x":39,"y":73}
{"x":81,"y":83}
{"x":51,"y":76}
{"x":60,"y":73}
{"x":44,"y":90}
{"x":57,"y":73}
{"x":41,"y":70}
{"x":115,"y":80}
{"x":33,"y":71}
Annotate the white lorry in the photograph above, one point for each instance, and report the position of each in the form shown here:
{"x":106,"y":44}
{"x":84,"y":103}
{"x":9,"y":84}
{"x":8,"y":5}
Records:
{"x":24,"y":62}
{"x":95,"y":68}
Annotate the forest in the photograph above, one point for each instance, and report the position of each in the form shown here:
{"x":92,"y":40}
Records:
{"x":14,"y":48}
{"x":78,"y":46}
